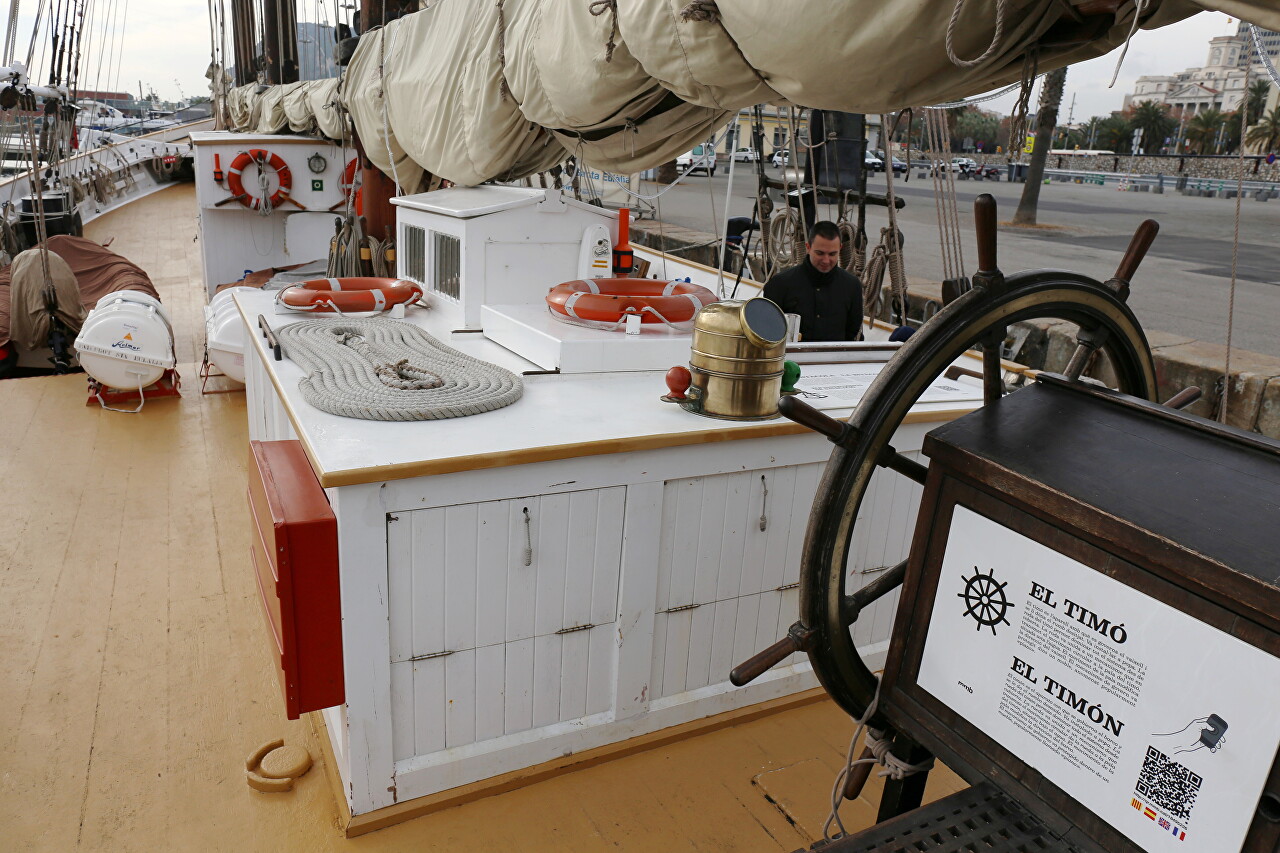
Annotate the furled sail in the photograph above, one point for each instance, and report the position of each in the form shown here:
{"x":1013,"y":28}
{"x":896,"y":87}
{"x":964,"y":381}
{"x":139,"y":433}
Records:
{"x":306,"y":107}
{"x":473,"y":91}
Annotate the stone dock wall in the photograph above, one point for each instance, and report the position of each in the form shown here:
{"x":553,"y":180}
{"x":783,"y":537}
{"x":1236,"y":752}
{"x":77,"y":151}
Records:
{"x":1170,"y":165}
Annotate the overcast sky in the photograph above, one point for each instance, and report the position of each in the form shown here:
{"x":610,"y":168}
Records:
{"x":165,"y":45}
{"x":1164,"y":51}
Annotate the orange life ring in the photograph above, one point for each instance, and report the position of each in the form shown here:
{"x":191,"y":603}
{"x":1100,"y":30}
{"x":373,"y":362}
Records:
{"x":343,"y":295}
{"x":606,"y":301}
{"x":261,"y":158}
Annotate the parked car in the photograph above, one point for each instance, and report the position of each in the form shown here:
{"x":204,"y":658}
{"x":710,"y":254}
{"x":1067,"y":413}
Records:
{"x":872,"y":163}
{"x":746,"y":155}
{"x":899,"y":167}
{"x":781,"y":157}
{"x":701,"y":157}
{"x":960,"y":164}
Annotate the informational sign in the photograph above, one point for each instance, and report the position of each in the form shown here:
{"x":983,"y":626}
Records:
{"x":609,"y":187}
{"x":842,"y":386}
{"x":1161,"y":725}
{"x":1029,"y":146}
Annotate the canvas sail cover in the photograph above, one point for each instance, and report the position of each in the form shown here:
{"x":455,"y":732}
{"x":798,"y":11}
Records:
{"x":307,"y":107}
{"x":473,"y":91}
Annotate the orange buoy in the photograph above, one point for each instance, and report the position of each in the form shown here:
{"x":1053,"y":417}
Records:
{"x":605,"y":302}
{"x":261,"y":158}
{"x":344,"y":295}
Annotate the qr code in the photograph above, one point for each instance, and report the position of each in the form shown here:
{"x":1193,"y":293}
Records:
{"x":1168,"y":785}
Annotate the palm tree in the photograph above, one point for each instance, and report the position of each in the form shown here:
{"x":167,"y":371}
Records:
{"x":1114,"y":134}
{"x":1155,"y":122}
{"x":1257,"y":99}
{"x":1266,"y":133}
{"x":1203,"y":129}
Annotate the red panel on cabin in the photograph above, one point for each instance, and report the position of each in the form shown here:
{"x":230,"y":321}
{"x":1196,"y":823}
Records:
{"x":295,"y":559}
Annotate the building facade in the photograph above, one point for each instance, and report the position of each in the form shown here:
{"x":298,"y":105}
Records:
{"x":1270,"y":43}
{"x":1218,"y":84}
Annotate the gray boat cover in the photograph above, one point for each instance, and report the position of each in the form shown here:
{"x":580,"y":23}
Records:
{"x":473,"y":91}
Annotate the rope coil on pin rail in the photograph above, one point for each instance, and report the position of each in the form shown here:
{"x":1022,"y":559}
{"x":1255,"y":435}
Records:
{"x":388,"y":370}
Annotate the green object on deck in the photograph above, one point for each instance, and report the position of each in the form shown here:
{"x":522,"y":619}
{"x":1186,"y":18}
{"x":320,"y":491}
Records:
{"x":790,"y":376}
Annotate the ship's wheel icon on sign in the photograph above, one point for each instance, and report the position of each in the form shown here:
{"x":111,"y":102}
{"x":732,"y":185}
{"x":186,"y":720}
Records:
{"x":984,"y":600}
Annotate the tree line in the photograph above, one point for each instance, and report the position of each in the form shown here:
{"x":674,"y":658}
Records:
{"x":1164,"y":130}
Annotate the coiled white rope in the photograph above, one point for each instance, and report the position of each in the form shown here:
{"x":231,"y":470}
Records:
{"x":388,"y":370}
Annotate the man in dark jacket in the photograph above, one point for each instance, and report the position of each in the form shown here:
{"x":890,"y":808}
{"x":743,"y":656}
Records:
{"x":827,"y":298}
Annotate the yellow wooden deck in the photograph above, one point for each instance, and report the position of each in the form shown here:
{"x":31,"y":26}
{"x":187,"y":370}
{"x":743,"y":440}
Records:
{"x":135,"y":676}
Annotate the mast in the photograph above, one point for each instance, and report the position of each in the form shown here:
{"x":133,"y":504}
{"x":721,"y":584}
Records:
{"x":378,"y":189}
{"x":280,"y":41}
{"x":242,"y":27}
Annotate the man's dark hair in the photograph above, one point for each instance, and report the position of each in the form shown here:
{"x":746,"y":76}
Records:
{"x":826,"y":229}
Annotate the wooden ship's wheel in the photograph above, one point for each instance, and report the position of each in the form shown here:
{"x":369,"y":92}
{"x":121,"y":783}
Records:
{"x":979,"y":316}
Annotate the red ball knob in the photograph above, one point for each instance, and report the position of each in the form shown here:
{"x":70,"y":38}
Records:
{"x":678,"y":380}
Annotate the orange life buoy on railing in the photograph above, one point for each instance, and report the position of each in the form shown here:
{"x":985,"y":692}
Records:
{"x":349,"y":295}
{"x":261,"y":158}
{"x":606,"y":302}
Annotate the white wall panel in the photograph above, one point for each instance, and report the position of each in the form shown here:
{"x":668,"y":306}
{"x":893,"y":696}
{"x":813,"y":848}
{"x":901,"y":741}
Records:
{"x":483,"y":646}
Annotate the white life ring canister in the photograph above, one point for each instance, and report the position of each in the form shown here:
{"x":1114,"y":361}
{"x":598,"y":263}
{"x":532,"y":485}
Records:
{"x":349,"y":295}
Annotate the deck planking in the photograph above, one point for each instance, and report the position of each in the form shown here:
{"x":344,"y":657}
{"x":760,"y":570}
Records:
{"x":137,"y":678}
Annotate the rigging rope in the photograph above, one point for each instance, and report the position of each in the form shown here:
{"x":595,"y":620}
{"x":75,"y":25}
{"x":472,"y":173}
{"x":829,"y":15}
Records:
{"x":991,"y":48}
{"x":1235,"y":256}
{"x":879,"y":743}
{"x":1140,"y":6}
{"x":11,"y":34}
{"x":389,"y":370}
{"x":938,"y":136}
{"x":1264,"y":55}
{"x":891,"y":238}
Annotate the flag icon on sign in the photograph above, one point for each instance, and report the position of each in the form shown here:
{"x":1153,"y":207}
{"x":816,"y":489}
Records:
{"x":1149,"y":812}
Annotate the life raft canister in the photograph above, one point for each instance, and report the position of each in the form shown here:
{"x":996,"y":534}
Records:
{"x":606,"y":301}
{"x":349,"y":295}
{"x":261,"y":158}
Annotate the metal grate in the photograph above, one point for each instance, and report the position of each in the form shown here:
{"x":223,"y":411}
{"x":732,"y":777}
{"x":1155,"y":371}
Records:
{"x":414,"y":254}
{"x":979,"y":818}
{"x":446,"y":265}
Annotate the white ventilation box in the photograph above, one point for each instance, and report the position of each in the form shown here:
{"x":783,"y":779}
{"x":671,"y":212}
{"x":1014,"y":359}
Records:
{"x":488,"y":255}
{"x":491,"y":245}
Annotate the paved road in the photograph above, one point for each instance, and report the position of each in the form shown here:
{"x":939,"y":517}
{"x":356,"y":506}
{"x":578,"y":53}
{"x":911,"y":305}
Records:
{"x":1183,"y":287}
